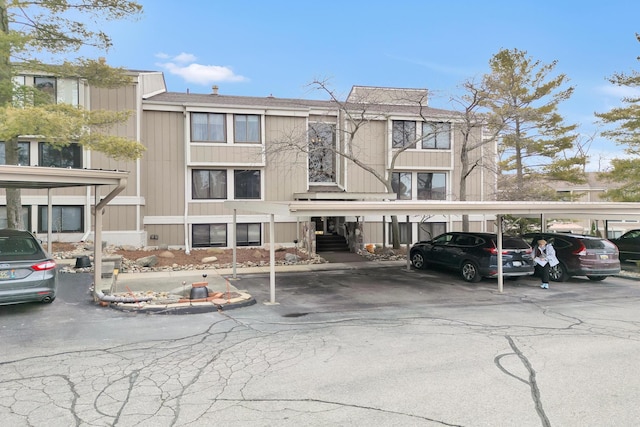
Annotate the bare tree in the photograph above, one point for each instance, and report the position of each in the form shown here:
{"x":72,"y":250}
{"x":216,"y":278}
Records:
{"x":353,"y":116}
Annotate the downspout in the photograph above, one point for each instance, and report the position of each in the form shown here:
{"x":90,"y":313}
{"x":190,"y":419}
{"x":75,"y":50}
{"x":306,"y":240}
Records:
{"x":187,"y":158}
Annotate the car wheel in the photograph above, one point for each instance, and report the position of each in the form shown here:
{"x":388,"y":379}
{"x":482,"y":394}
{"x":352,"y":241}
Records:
{"x":417,"y":260}
{"x":596,"y":278}
{"x":558,"y":273}
{"x":470,"y":272}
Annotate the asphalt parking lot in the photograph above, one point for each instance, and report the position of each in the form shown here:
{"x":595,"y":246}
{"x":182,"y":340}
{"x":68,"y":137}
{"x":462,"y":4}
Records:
{"x":366,"y":346}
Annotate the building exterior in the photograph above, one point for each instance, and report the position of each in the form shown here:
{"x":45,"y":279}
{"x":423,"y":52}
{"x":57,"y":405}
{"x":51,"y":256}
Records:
{"x":592,"y":190}
{"x":203,"y":149}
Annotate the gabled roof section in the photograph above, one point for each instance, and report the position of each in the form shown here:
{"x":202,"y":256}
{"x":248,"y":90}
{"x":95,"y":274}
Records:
{"x":388,"y":96}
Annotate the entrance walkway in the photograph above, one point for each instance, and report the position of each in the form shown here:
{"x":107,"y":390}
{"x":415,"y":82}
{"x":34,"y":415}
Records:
{"x":333,"y":257}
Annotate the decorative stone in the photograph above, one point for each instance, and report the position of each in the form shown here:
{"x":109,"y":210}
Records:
{"x":148,"y":261}
{"x":215,"y":250}
{"x":292,"y":258}
{"x":257,"y":254}
{"x":209,"y":260}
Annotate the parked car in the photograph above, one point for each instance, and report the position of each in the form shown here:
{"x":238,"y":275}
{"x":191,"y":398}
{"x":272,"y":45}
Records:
{"x":628,"y":245}
{"x":474,"y":255}
{"x":27,"y":272}
{"x":580,"y":255}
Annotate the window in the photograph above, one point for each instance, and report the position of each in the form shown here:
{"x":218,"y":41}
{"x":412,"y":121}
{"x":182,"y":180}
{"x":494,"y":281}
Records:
{"x":429,"y":230}
{"x":208,"y":184}
{"x":66,"y":219}
{"x":401,"y":184}
{"x":247,"y":127}
{"x":436,"y":135}
{"x":23,"y":154}
{"x":46,"y":85}
{"x":247,"y":184}
{"x":322,"y":152}
{"x":432,"y":186}
{"x":403,"y":232}
{"x":26,"y":218}
{"x":208,"y":127}
{"x":404,"y":133}
{"x":61,"y":157}
{"x":204,"y":235}
{"x":68,"y":92}
{"x":248,"y":234}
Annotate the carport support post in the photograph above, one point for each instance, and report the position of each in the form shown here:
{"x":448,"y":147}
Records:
{"x":97,"y":245}
{"x":499,"y":255}
{"x":408,"y":243}
{"x":234,"y":242}
{"x":272,"y":259}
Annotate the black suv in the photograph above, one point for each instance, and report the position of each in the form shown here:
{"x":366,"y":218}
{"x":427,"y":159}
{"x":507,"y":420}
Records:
{"x":474,"y":255}
{"x":579,"y":255}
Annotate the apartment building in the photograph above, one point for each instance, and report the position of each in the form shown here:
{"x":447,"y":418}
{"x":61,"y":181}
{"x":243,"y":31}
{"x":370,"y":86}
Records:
{"x":204,"y":149}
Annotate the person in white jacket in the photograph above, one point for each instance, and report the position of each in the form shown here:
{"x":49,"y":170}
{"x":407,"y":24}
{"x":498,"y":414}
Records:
{"x":545,"y":257}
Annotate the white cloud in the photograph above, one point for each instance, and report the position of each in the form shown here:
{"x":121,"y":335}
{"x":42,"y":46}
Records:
{"x":184,"y":65}
{"x":185,"y":58}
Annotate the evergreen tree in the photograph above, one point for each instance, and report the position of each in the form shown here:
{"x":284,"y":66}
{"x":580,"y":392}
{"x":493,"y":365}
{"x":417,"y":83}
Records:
{"x":534,"y":141}
{"x":626,"y":133}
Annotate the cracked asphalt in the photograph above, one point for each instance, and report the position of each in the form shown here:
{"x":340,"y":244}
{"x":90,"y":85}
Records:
{"x":374,"y":347}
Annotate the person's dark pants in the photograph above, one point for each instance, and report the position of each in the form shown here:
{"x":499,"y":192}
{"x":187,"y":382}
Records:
{"x":544,"y":272}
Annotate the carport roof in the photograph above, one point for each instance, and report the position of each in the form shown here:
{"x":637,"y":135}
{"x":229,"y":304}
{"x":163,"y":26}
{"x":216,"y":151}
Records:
{"x":593,"y":210}
{"x":40,"y":177}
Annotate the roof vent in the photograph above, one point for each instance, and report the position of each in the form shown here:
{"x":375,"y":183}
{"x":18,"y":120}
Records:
{"x":214,"y":89}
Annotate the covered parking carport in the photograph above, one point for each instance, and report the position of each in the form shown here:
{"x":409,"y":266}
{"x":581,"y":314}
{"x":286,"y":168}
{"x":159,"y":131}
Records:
{"x":35,"y":177}
{"x":307,"y":209}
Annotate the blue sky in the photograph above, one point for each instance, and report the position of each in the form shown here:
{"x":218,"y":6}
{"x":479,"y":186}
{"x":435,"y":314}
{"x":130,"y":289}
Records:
{"x":277,"y":47}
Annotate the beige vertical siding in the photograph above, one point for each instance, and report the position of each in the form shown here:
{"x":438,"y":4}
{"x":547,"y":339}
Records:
{"x":170,"y":235}
{"x":227,"y":153}
{"x":162,"y":174}
{"x":119,"y":218}
{"x":369,"y":147}
{"x":286,"y":171}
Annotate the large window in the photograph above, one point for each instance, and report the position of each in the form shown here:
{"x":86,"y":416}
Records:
{"x":204,"y":235}
{"x":47,"y":86}
{"x":66,"y":219}
{"x":247,"y":184}
{"x":436,"y":135}
{"x":62,"y":157}
{"x":209,"y":184}
{"x":404,"y":133}
{"x":401,"y":184}
{"x":247,"y":128}
{"x":322,"y":152}
{"x":248,"y":234}
{"x":209,"y":127}
{"x":432,"y":186}
{"x":23,"y":154}
{"x":26,"y":218}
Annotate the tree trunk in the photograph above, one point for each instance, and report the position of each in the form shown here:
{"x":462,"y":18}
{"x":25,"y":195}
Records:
{"x":14,"y":201}
{"x":395,"y":232}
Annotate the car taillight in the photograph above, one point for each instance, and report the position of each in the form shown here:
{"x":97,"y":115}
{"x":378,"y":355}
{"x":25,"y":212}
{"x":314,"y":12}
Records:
{"x":581,"y":251}
{"x":494,"y":251}
{"x":45,"y":265}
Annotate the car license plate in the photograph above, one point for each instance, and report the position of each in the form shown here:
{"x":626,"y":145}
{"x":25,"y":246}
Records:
{"x":604,"y":256}
{"x":517,"y":264}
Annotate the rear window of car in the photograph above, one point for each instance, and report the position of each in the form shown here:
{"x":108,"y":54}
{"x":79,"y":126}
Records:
{"x":511,"y":242}
{"x":19,"y":247}
{"x":597,"y":244}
